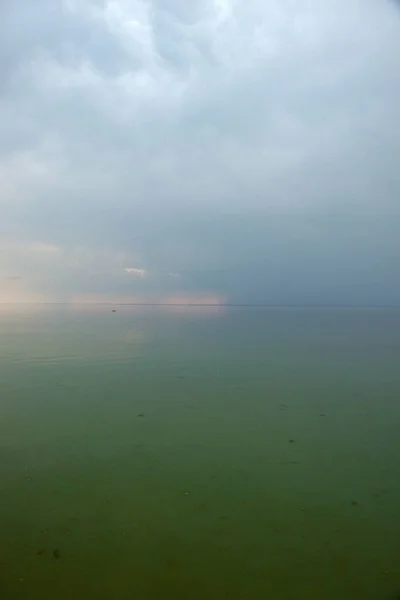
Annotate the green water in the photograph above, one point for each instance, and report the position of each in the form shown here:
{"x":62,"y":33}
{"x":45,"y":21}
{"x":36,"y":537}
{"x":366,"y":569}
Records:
{"x":199,"y":453}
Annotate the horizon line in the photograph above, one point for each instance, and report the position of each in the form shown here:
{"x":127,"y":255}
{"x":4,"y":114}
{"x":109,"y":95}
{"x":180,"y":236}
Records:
{"x":195,"y":304}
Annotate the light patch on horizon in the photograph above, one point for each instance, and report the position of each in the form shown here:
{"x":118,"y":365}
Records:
{"x":103,"y":299}
{"x":193,"y":299}
{"x":14,"y":290}
{"x":151,"y":298}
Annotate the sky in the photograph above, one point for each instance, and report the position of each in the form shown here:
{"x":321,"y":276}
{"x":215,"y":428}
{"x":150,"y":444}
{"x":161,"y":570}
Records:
{"x":202,"y":151}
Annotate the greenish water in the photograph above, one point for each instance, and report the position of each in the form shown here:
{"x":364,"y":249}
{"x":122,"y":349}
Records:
{"x":199,"y":453}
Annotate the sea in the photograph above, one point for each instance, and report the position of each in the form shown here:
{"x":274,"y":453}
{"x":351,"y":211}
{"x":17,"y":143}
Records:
{"x":199,"y":453}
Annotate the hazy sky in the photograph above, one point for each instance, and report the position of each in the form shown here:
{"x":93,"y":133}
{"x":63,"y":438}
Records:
{"x":200,"y":150}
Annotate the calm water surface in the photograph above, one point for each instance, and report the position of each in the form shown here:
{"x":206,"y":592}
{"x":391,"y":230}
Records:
{"x":199,"y":453}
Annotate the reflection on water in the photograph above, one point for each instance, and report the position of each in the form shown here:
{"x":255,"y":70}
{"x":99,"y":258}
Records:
{"x":225,"y":454}
{"x":48,"y":332}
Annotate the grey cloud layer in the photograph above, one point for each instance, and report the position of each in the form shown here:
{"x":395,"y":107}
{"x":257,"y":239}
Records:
{"x":251,"y":147}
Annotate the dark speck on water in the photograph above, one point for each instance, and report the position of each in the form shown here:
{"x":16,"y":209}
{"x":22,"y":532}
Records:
{"x":41,"y":551}
{"x":291,"y":441}
{"x":56,"y":553}
{"x":140,"y":415}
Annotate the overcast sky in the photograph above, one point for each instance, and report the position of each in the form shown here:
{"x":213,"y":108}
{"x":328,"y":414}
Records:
{"x":236,"y":151}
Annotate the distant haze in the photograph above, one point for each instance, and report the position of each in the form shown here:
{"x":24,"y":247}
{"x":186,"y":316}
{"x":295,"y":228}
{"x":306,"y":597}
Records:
{"x":205,"y":151}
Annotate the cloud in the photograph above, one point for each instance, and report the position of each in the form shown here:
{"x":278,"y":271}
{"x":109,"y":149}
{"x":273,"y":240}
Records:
{"x":250,"y":147}
{"x":136,"y":272}
{"x":46,"y":249}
